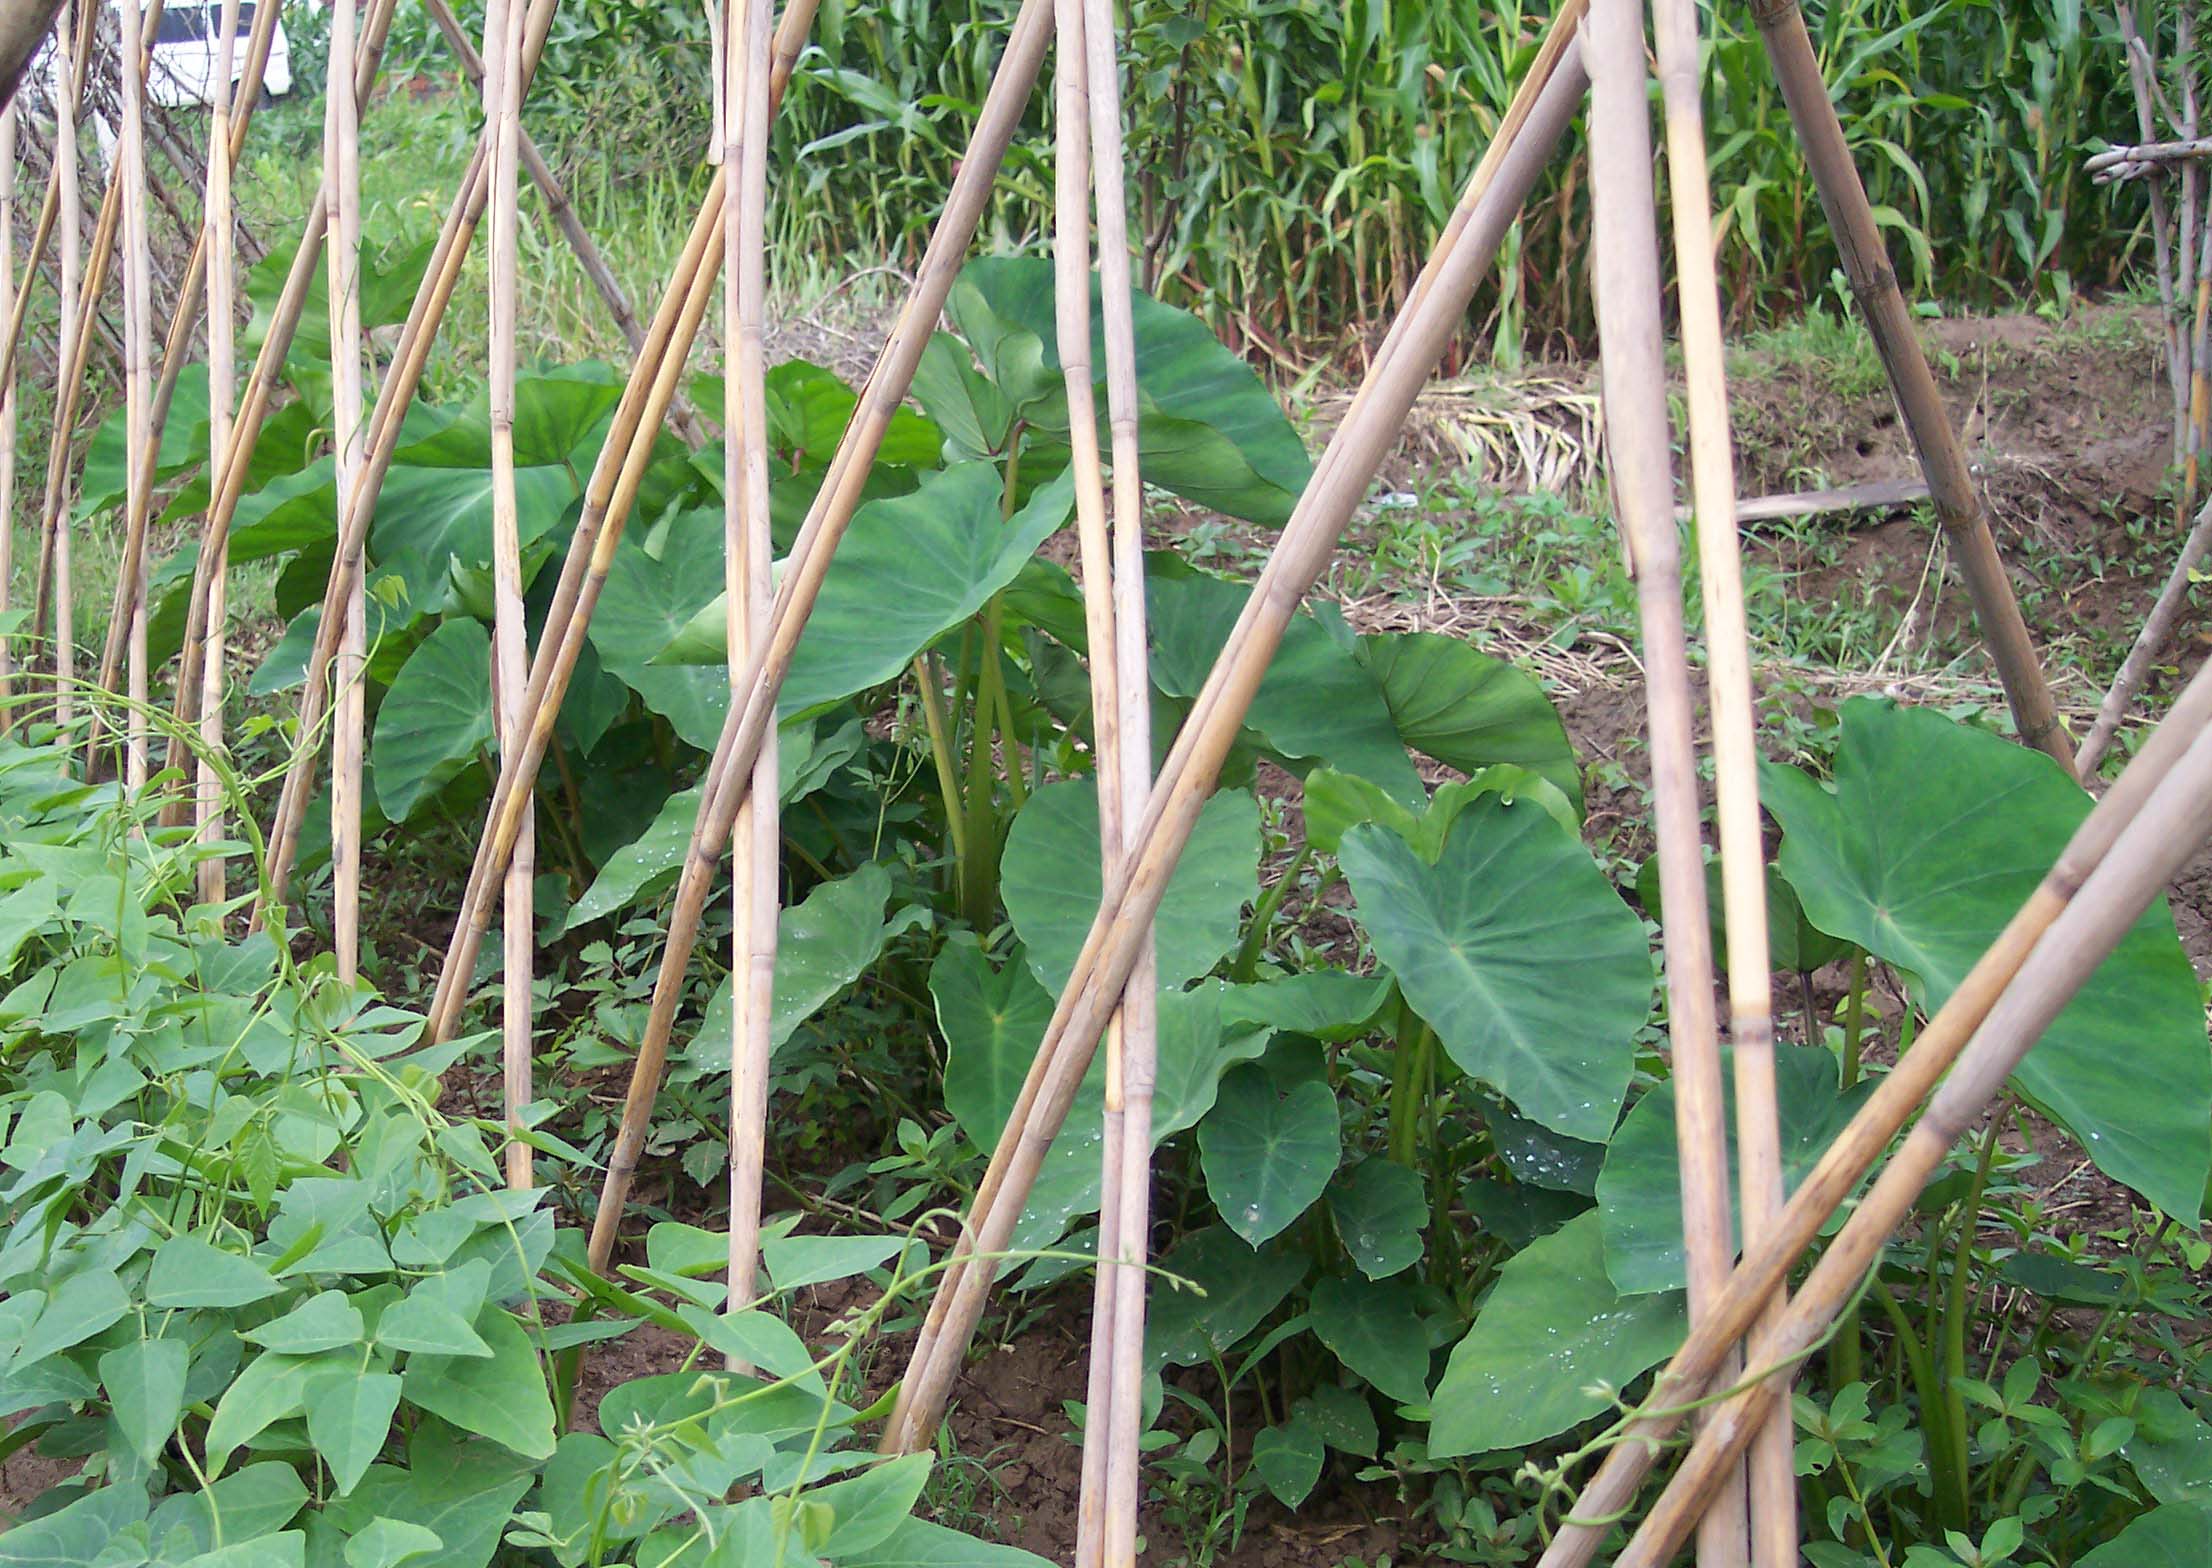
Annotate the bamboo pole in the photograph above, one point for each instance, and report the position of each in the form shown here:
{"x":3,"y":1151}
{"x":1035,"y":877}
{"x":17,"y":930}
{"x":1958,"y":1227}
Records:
{"x":1125,"y":1248}
{"x":8,"y":421}
{"x":137,"y":374}
{"x":1772,"y":1495}
{"x":56,"y":518}
{"x":2165,"y":835}
{"x":1539,"y":117}
{"x":1866,"y":263}
{"x":500,"y":76}
{"x":342,"y":187}
{"x":2162,"y":238}
{"x":730,"y":770}
{"x":1896,"y":1098}
{"x":613,"y":485}
{"x":2200,"y":369}
{"x":76,"y":62}
{"x":750,"y":564}
{"x":2150,"y":642}
{"x":2146,"y":157}
{"x":218,"y":242}
{"x":1632,"y":355}
{"x":1071,"y":255}
{"x":592,"y":550}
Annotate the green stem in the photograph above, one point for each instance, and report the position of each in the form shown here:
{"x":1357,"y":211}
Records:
{"x":1921,"y":1366}
{"x":940,"y":751}
{"x":1245,"y":968}
{"x":979,"y":870}
{"x":1854,"y":1018}
{"x":1955,"y":1478}
{"x":1408,"y":1081}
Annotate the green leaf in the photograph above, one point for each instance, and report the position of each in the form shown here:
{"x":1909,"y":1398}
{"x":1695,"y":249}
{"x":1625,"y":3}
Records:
{"x":1517,"y":951}
{"x":1552,"y":1330}
{"x":84,"y":1304}
{"x":646,"y":601}
{"x":502,"y":1397}
{"x":322,"y":1322}
{"x":1793,"y":942}
{"x":270,"y":1389}
{"x":917,"y":1543}
{"x":145,"y":1384}
{"x":1469,"y":710}
{"x":1235,"y":1291}
{"x":966,"y":407}
{"x":1342,"y":1417}
{"x":256,"y":1502}
{"x":1933,"y":836}
{"x":824,"y":943}
{"x":1268,"y":1154}
{"x":285,"y":1549}
{"x":993,"y":1021}
{"x":436,"y":720}
{"x":757,"y":1338}
{"x":1316,"y":700}
{"x":1373,"y":1329}
{"x":349,"y":1415}
{"x":1050,"y":880}
{"x":795,"y":1262}
{"x":1380,"y":1211}
{"x":867,"y":1508}
{"x":387,"y":1543}
{"x":1640,"y":1189}
{"x":188,"y":1272}
{"x":1329,"y":1005}
{"x":77,"y":1534}
{"x":1288,"y":1459}
{"x":463,"y":1493}
{"x":1208,"y":429}
{"x":2177,"y":1535}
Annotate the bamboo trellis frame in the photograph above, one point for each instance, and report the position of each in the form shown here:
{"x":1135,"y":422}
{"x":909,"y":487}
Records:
{"x":2151,"y":819}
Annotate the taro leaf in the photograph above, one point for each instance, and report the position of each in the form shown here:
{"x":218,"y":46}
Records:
{"x":556,"y":413}
{"x":1517,"y":951}
{"x":646,"y":867}
{"x":436,"y":720}
{"x":1373,"y":1329}
{"x":145,"y":1384}
{"x":1186,"y":1327}
{"x":503,"y":1397}
{"x":388,"y":284}
{"x":1793,"y":942}
{"x":1208,"y":430}
{"x":993,"y":1020}
{"x":430,"y":520}
{"x":917,"y":1543}
{"x":1335,"y":802}
{"x":102,"y":480}
{"x":1933,"y":836}
{"x":1469,"y":710}
{"x":1380,"y":1211}
{"x":1329,"y":1005}
{"x":188,"y":1272}
{"x":1288,"y":1459}
{"x":349,"y":1415}
{"x":1552,"y":1328}
{"x":1640,"y":1189}
{"x":647,"y":601}
{"x":2177,"y":1535}
{"x":1343,"y":1418}
{"x":1051,"y":883}
{"x":911,"y":568}
{"x":1268,"y":1155}
{"x":809,"y":408}
{"x":1540,"y":1157}
{"x":1315,"y":702}
{"x":2061,"y":1279}
{"x":823,"y":944}
{"x":77,"y":1534}
{"x":969,"y":410}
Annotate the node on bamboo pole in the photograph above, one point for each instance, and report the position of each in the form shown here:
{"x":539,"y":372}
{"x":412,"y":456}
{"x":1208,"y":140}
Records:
{"x":1889,"y":322}
{"x":1533,"y":125}
{"x":730,"y":769}
{"x":1897,"y":1096}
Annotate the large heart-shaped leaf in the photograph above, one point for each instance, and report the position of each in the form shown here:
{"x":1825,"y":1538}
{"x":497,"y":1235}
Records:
{"x":1465,"y":708}
{"x":1932,"y":837}
{"x":1268,"y":1154}
{"x":646,"y":601}
{"x":1316,"y":701}
{"x":388,"y":284}
{"x":1372,"y":1328}
{"x":911,"y":568}
{"x":436,"y":719}
{"x":1380,"y":1210}
{"x":556,"y":414}
{"x":1050,"y":879}
{"x":1552,"y":1329}
{"x":1208,"y":429}
{"x":428,"y":520}
{"x":2177,"y":1535}
{"x":1235,"y":1291}
{"x":1640,"y":1189}
{"x":1517,"y":951}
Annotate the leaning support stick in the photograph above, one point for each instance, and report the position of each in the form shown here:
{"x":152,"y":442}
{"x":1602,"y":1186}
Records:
{"x":2163,"y":838}
{"x":1895,"y":1099}
{"x":1866,"y":263}
{"x":1533,"y":127}
{"x":730,"y":770}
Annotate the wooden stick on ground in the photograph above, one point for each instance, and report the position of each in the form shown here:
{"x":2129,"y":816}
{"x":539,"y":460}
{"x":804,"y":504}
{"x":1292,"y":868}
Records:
{"x":1125,"y":1249}
{"x":1897,"y":1097}
{"x":1632,"y":354}
{"x":342,"y":186}
{"x":2163,"y":838}
{"x":1772,"y":1471}
{"x":1533,"y":126}
{"x":730,"y":770}
{"x":501,"y":79}
{"x":756,"y":884}
{"x":218,"y":237}
{"x":137,"y":378}
{"x":1934,"y":437}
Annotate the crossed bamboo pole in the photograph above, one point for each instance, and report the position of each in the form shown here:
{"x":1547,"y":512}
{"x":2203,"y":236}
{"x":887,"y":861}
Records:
{"x":72,"y":54}
{"x":2152,"y":820}
{"x":729,"y":772}
{"x":342,"y":189}
{"x":218,"y":242}
{"x":1633,"y":365}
